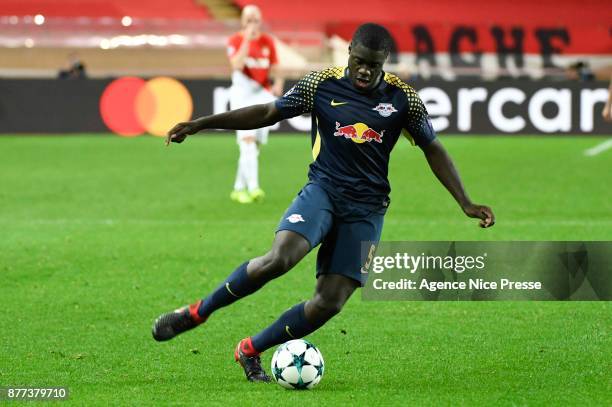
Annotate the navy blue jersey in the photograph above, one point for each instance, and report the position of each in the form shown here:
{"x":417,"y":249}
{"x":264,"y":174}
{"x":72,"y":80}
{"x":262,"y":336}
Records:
{"x":353,"y":132}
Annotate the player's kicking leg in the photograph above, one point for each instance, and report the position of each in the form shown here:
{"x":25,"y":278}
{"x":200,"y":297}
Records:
{"x":288,"y":249}
{"x":332,"y":292}
{"x":339,"y":262}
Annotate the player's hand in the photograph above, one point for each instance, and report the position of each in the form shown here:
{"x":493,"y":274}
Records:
{"x":249,"y":31}
{"x":482,"y":212}
{"x":607,"y":112}
{"x":179,"y":133}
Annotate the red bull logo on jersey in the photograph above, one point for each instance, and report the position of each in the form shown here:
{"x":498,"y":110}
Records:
{"x":359,"y":133}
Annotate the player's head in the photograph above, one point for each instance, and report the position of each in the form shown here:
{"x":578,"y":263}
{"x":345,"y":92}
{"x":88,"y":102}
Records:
{"x":251,"y":16}
{"x":368,"y":52}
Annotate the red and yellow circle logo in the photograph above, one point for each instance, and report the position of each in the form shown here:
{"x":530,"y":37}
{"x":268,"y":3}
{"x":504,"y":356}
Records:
{"x":131,"y":106}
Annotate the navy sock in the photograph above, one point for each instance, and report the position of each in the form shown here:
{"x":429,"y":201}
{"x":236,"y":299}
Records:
{"x":236,"y":286}
{"x":291,"y":325}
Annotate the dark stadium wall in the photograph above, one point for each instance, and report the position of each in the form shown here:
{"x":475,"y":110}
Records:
{"x":458,"y":107}
{"x":50,"y":106}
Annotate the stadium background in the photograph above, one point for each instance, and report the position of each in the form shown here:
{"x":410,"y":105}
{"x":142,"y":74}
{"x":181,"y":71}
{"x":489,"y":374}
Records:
{"x":100,"y":233}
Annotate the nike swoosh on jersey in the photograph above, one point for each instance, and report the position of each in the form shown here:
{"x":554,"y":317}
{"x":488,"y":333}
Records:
{"x":334,"y":103}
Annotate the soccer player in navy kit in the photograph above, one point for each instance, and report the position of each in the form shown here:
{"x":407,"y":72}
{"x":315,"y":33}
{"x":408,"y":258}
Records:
{"x":358,"y":114}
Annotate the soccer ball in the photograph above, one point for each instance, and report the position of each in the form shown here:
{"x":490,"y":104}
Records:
{"x":297,"y":364}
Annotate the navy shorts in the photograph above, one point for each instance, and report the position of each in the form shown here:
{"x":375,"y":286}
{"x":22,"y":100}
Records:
{"x":339,"y":227}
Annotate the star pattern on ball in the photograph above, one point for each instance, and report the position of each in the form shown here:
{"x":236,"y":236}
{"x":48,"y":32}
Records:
{"x":297,"y":364}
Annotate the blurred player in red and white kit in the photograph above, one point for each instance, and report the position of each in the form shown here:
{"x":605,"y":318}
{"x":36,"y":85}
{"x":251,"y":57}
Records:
{"x":252,"y":55}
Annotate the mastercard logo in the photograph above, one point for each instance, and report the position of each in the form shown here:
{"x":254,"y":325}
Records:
{"x":131,"y":106}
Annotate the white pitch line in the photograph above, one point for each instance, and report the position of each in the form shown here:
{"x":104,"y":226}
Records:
{"x":599,"y":148}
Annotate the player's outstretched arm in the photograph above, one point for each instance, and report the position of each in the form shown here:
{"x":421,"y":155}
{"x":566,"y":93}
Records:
{"x":444,"y":169}
{"x":251,"y":117}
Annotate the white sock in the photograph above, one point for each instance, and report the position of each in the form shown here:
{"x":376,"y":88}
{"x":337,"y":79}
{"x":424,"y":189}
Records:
{"x":249,"y":153}
{"x":240,"y":182}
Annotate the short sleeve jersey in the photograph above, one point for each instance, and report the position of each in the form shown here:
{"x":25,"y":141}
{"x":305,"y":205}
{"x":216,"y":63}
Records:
{"x":353,"y":132}
{"x":260,"y":58}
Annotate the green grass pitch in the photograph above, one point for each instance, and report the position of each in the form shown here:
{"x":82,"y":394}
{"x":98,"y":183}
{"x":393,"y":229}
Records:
{"x":99,"y":235}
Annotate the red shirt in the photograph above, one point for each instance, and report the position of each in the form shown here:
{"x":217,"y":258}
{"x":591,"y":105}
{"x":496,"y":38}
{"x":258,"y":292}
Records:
{"x":261,"y":56}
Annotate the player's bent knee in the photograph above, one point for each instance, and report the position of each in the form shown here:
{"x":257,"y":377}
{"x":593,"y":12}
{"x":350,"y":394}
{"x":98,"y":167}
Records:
{"x":280,"y":263}
{"x":326,"y":307}
{"x":273,"y":265}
